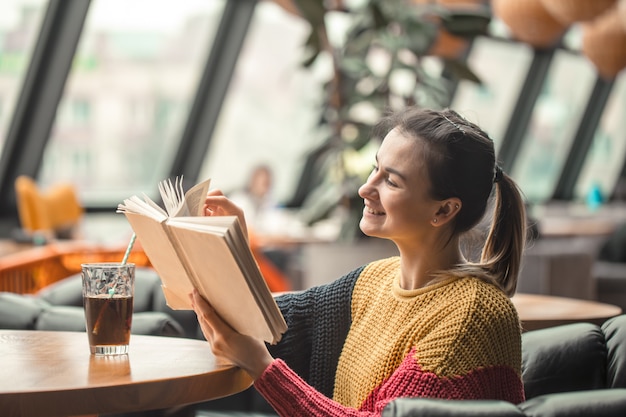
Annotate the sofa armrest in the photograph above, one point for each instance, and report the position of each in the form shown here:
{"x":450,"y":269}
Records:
{"x":156,"y":323}
{"x":597,"y":403}
{"x":18,"y":311}
{"x":420,"y":407}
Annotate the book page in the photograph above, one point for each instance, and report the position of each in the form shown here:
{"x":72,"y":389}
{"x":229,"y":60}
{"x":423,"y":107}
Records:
{"x":195,"y":197}
{"x":178,"y":203}
{"x":173,"y":197}
{"x":146,"y":207}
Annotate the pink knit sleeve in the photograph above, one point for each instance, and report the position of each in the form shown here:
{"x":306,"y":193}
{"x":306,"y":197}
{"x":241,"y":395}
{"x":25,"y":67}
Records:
{"x":290,"y":395}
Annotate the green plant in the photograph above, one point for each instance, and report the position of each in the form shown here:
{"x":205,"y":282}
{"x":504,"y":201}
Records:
{"x":379,"y":66}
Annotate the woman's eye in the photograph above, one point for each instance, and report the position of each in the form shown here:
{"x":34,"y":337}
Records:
{"x":389,"y":182}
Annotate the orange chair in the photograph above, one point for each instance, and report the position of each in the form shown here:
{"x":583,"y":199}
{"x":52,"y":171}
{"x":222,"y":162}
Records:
{"x":52,"y":212}
{"x":276,"y":280}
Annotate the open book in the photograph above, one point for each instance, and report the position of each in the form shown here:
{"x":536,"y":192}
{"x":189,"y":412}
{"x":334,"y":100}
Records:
{"x":210,"y":253}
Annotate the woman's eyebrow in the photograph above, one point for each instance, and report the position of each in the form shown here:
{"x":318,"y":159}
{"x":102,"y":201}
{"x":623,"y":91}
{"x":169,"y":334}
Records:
{"x":391,"y":170}
{"x":396,"y":172}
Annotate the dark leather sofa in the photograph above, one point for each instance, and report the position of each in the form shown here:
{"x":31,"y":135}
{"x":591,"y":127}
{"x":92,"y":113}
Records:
{"x":568,"y":371}
{"x":573,"y":370}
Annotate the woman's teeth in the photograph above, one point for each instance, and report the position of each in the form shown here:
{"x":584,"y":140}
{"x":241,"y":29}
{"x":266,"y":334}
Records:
{"x":372,"y":211}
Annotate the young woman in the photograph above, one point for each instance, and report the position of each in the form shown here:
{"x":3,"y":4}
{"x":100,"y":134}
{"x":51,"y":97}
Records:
{"x":427,"y":323}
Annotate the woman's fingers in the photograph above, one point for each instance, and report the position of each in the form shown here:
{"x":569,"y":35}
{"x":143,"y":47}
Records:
{"x":205,"y":314}
{"x":226,"y":343}
{"x":217,"y":204}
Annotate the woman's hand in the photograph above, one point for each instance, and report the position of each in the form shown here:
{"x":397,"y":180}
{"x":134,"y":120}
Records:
{"x":217,"y":204}
{"x":246,"y":352}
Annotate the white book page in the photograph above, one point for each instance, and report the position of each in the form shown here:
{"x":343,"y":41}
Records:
{"x":180,"y":204}
{"x":173,"y":197}
{"x":195,"y":197}
{"x":147,"y":207}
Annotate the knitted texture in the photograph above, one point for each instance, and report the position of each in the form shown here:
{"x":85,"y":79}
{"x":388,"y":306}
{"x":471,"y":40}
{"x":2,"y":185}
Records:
{"x":455,"y":335}
{"x":318,"y":321}
{"x":459,"y":338}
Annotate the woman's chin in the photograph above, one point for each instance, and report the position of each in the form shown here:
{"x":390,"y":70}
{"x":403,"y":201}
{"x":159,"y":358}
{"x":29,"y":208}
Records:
{"x":368,"y":229}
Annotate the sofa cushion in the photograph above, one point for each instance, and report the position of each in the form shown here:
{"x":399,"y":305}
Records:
{"x":62,"y":318}
{"x":69,"y":291}
{"x":156,"y":323}
{"x":420,"y":407}
{"x":72,"y":319}
{"x":597,"y":403}
{"x":565,"y":358}
{"x":19,"y":311}
{"x":615,"y":333}
{"x":186,"y":318}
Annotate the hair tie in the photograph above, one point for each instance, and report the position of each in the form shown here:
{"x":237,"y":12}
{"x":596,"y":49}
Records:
{"x":498,"y":174}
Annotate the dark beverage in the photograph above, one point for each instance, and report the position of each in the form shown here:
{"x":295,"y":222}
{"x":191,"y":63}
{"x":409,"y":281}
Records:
{"x":108,"y":320}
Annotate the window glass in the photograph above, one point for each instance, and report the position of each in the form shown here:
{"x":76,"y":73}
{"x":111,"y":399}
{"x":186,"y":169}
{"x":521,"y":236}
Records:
{"x":501,"y":67}
{"x":605,"y":158}
{"x":270,"y":111}
{"x":553,"y":125}
{"x":128,"y":95}
{"x":20,"y":21}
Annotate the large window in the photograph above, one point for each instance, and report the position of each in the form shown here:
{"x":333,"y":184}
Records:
{"x":128,"y":95}
{"x":554,"y":122}
{"x":501,"y":67}
{"x":19,"y":26}
{"x":270,"y":112}
{"x":604,"y":161}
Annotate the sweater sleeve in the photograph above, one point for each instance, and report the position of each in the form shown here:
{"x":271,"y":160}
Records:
{"x":318,"y":320}
{"x":290,"y":395}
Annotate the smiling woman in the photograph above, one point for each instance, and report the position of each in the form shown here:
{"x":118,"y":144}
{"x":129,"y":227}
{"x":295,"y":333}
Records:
{"x":421,"y":324}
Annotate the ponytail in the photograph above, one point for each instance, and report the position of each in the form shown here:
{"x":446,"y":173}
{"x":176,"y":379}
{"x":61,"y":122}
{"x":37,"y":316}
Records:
{"x":501,"y":257}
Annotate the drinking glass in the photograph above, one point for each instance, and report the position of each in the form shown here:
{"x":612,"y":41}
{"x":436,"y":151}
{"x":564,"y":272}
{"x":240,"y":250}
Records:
{"x":108,"y":290}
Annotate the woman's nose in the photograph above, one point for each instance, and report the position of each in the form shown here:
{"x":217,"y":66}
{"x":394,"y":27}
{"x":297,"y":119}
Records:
{"x":366,"y":189}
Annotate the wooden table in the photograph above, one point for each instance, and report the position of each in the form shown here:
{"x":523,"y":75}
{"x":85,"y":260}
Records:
{"x":540,"y":311}
{"x":47,"y":374}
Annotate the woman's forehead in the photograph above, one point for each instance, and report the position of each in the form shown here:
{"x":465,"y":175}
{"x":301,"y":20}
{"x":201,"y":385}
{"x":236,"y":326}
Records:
{"x":402,"y":152}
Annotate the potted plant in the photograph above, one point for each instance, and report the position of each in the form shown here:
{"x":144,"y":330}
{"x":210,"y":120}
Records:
{"x":379,"y":65}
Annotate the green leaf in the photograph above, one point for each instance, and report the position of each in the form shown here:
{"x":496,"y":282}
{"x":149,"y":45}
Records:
{"x":380,"y":20}
{"x":461,"y":71}
{"x":466,"y":23}
{"x":312,"y":10}
{"x":421,"y":36}
{"x":313,"y":49}
{"x":355,"y":67}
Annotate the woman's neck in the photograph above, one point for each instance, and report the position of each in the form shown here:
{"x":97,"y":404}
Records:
{"x":420,"y":268}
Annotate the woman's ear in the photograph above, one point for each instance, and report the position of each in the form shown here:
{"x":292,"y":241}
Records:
{"x":447,"y":210}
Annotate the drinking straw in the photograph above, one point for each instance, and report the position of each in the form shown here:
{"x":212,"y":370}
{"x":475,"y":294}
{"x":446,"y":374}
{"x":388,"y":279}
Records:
{"x":96,"y":326}
{"x":129,"y":248}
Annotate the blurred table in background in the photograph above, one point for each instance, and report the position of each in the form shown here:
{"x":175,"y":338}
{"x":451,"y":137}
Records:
{"x":540,"y":311}
{"x":26,"y":269}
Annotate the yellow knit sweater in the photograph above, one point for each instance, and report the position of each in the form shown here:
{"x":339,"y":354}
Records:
{"x":451,"y":330}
